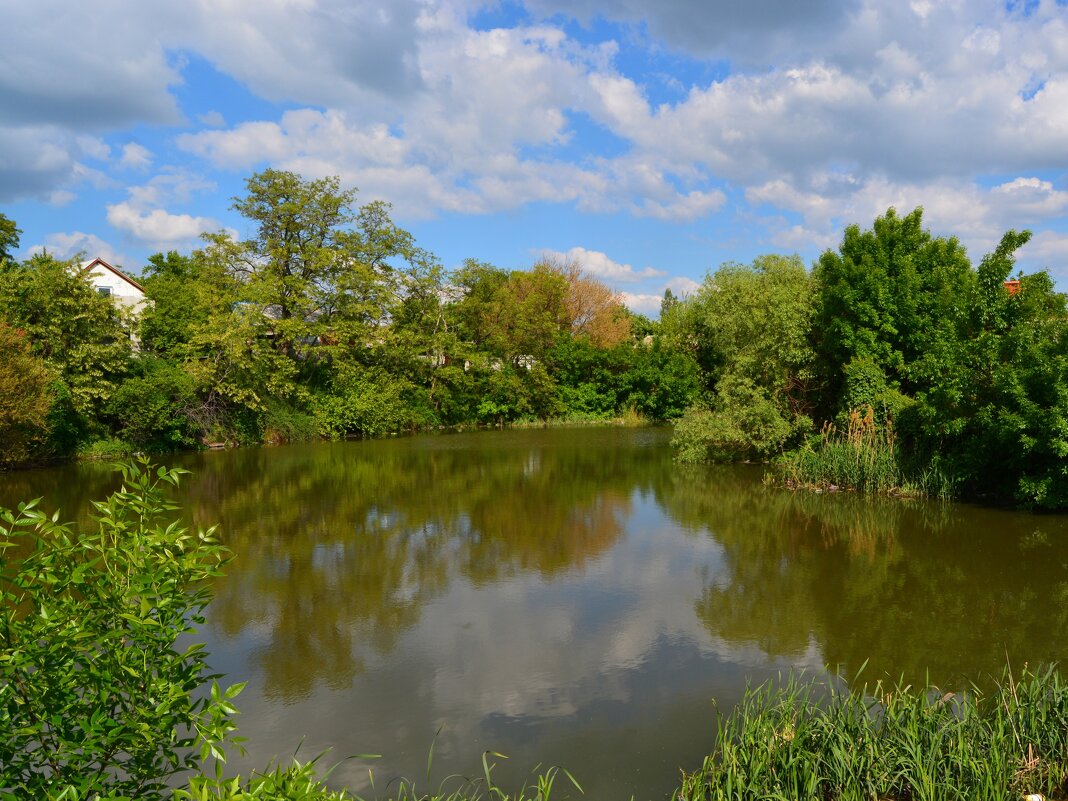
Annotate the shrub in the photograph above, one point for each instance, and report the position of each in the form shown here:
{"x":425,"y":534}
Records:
{"x":151,"y":411}
{"x":25,"y":399}
{"x":744,"y":423}
{"x":362,"y":401}
{"x":95,"y":693}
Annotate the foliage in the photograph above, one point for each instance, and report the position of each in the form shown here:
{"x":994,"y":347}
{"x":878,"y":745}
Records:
{"x":362,"y":401}
{"x":801,"y":740}
{"x":95,"y":691}
{"x":9,"y":238}
{"x":750,"y":327}
{"x":25,"y":397}
{"x":861,"y":456}
{"x":745,"y":423}
{"x":888,"y":295}
{"x":151,"y":410}
{"x":80,"y":334}
{"x":176,"y":309}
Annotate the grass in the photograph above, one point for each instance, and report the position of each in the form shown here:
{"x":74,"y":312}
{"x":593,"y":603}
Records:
{"x":300,"y":781}
{"x":864,"y":457}
{"x":804,"y":740}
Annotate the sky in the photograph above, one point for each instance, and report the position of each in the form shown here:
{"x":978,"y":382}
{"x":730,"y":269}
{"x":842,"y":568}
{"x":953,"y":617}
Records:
{"x":649,"y":141}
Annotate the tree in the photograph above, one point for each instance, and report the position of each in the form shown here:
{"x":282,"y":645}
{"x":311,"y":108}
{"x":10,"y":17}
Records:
{"x":9,"y":238}
{"x":750,"y":327}
{"x":594,"y":311}
{"x":177,"y":309}
{"x":25,"y":396}
{"x":80,"y":334}
{"x":887,"y":295}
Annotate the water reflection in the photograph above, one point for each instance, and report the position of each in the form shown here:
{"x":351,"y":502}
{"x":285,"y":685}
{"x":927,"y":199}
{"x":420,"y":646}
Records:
{"x":574,"y":597}
{"x":917,"y":589}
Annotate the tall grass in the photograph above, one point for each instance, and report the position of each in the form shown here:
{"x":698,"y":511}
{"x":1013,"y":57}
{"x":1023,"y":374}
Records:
{"x":802,"y":740}
{"x":301,"y":781}
{"x":862,"y":456}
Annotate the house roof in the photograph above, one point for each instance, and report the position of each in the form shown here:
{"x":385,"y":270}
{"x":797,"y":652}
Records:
{"x":88,"y":265}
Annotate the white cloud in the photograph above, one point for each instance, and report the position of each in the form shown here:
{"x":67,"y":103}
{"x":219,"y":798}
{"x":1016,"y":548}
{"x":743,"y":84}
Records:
{"x":157,"y":227}
{"x":143,"y":216}
{"x":830,"y":112}
{"x":213,"y":119}
{"x":681,"y":286}
{"x":73,"y":243}
{"x":643,"y":303}
{"x":600,"y":266}
{"x":1047,"y":250}
{"x":135,"y":156}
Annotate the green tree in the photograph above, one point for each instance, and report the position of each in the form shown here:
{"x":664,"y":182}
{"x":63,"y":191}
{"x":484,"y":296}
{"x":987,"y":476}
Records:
{"x":177,"y":309}
{"x":888,"y":295}
{"x":749,"y":327}
{"x":81,"y":335}
{"x":992,"y":402}
{"x":25,"y":397}
{"x":9,"y":238}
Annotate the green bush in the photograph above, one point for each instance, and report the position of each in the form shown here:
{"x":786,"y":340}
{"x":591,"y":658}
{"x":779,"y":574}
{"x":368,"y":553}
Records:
{"x":111,"y":448}
{"x":363,"y":401}
{"x":151,"y":411}
{"x":96,"y":695}
{"x":744,"y":423}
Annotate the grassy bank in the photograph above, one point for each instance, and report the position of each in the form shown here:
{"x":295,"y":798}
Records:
{"x":863,"y":455}
{"x":801,"y":740}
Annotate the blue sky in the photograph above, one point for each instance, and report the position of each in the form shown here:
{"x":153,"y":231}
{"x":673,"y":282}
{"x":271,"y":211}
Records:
{"x":649,"y":141}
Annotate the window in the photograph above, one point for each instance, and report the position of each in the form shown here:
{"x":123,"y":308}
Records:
{"x":104,"y":290}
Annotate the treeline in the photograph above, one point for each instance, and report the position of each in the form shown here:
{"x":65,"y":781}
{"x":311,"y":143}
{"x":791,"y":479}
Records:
{"x":329,"y":320}
{"x":893,"y":365}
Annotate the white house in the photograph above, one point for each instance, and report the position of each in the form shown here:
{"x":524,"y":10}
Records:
{"x":116,"y":284}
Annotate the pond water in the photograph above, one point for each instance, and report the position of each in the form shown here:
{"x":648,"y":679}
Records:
{"x":572,"y":597}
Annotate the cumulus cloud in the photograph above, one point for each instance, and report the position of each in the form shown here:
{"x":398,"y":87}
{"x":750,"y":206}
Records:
{"x":157,"y":227}
{"x":75,"y":243}
{"x":599,"y":265}
{"x":827,"y":113}
{"x":143,"y":217}
{"x":642,"y":302}
{"x":135,"y":156}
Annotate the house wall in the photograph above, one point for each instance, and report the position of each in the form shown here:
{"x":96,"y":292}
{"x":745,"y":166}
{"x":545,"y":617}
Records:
{"x":122,"y":292}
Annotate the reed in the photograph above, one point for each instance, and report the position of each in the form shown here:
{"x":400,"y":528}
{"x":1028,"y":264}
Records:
{"x":862,"y":456}
{"x":801,"y":739}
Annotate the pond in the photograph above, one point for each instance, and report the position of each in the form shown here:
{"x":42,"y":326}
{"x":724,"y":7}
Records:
{"x":572,"y":597}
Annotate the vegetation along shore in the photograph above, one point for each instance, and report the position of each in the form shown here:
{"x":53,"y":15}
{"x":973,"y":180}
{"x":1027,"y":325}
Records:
{"x":893,"y":365}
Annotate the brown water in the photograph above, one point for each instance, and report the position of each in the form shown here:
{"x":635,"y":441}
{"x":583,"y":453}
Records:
{"x":572,"y":597}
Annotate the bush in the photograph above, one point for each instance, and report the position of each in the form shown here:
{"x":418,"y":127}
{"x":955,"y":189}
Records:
{"x":95,"y":693}
{"x":744,"y":423}
{"x":25,"y":400}
{"x":362,"y":401}
{"x":151,"y":411}
{"x":284,"y":423}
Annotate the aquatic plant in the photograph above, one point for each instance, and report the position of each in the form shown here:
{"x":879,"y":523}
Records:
{"x":862,"y":456}
{"x":800,"y":739}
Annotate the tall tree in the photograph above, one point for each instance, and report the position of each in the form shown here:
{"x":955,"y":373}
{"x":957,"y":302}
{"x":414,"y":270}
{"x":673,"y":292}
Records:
{"x":25,"y":396}
{"x":886,"y":296}
{"x":9,"y":238}
{"x":82,"y":335}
